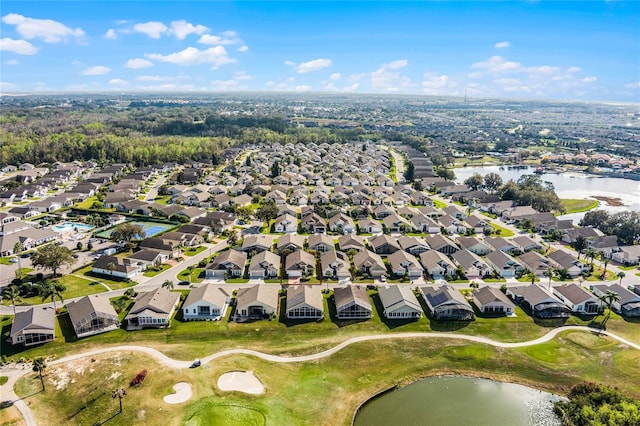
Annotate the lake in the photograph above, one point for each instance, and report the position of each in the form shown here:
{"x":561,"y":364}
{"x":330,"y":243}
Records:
{"x":460,"y":401}
{"x":572,"y":185}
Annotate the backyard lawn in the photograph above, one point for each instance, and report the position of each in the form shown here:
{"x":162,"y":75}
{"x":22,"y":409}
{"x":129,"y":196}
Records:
{"x":192,"y":251}
{"x":155,"y":271}
{"x":501,"y":231}
{"x":578,"y":206}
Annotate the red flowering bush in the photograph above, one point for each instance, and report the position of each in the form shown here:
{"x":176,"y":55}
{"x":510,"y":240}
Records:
{"x":139,"y":378}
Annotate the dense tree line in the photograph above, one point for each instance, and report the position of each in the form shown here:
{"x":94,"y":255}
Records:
{"x":591,"y":404}
{"x":625,"y":225}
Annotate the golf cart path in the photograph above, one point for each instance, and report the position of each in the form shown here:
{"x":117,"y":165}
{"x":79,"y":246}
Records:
{"x":14,"y":374}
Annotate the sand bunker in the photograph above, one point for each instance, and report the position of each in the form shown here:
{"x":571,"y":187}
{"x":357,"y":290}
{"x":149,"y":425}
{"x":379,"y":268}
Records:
{"x":240,"y":381}
{"x":183,"y":393}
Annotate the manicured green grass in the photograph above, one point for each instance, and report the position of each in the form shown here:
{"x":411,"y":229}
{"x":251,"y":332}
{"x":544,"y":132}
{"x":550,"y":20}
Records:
{"x":113,"y":283}
{"x":153,"y":273}
{"x":196,"y":275}
{"x":577,"y":206}
{"x":162,"y":200}
{"x":503,"y":232}
{"x":237,"y":280}
{"x":628,"y":268}
{"x":321,"y":392}
{"x":439,"y":204}
{"x":192,"y":251}
{"x":6,"y":260}
{"x":86,"y":204}
{"x":77,"y":286}
{"x":3,"y":380}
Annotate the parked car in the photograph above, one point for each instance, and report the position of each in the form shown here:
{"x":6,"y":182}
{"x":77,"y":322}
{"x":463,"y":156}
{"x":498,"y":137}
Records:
{"x":75,"y":255}
{"x":184,"y":283}
{"x":196,"y":363}
{"x":13,"y":260}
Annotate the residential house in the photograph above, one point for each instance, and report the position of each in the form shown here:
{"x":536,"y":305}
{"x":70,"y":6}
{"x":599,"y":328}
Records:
{"x":399,"y":302}
{"x":455,"y":211}
{"x":478,"y":224}
{"x":264,"y":265}
{"x":536,"y":263}
{"x":320,"y":243}
{"x":152,"y":309}
{"x":286,"y":223}
{"x":370,"y":264}
{"x":579,"y":300}
{"x":257,"y":243}
{"x":413,"y":245}
{"x":566,"y":261}
{"x":383,"y":244}
{"x":403,"y":263}
{"x":438,"y":265}
{"x":352,"y":302}
{"x":229,"y":263}
{"x":114,"y":267}
{"x":335,"y":265}
{"x":351,"y":242}
{"x":369,"y":226}
{"x":540,"y":302}
{"x":304,"y":302}
{"x":526,"y":244}
{"x":472,"y":265}
{"x":490,"y":300}
{"x":503,"y":264}
{"x":314,"y":224}
{"x":342,"y":224}
{"x":442,"y":244}
{"x":629,"y":303}
{"x":290,"y":243}
{"x":33,"y":326}
{"x":502,"y":244}
{"x":474,"y":245}
{"x":207,"y":302}
{"x":447,"y":303}
{"x":396,"y":224}
{"x":299,"y":263}
{"x":91,"y":315}
{"x":167,"y":247}
{"x":256,"y":302}
{"x":423,"y":223}
{"x":452,"y":225}
{"x":145,"y":259}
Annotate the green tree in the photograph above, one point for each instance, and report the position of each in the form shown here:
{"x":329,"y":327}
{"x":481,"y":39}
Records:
{"x":594,"y":219}
{"x":579,"y":244}
{"x":52,"y":257}
{"x":17,"y":248}
{"x":168,"y":284}
{"x":474,"y":181}
{"x":275,"y":169}
{"x":620,"y":275}
{"x":531,"y":276}
{"x":591,"y":254}
{"x":119,"y":393}
{"x":409,"y":171}
{"x":163,"y":191}
{"x":267,"y":212}
{"x":492,"y":181}
{"x":549,"y":273}
{"x":12,"y":293}
{"x":79,"y":246}
{"x":127,"y":232}
{"x":39,"y":365}
{"x":52,"y":289}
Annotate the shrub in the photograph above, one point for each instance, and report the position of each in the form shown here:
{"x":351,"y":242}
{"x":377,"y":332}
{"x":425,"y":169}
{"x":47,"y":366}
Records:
{"x":139,"y":378}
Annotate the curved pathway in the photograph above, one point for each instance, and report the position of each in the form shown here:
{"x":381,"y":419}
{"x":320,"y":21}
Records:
{"x":15,"y":373}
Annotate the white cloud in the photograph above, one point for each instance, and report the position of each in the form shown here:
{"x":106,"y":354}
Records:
{"x":150,"y":78}
{"x":574,"y":69}
{"x":242,"y":75}
{"x":215,"y":56}
{"x":501,"y":45}
{"x":6,"y":86}
{"x":97,"y":70}
{"x":225,"y":38}
{"x":497,"y":64}
{"x":434,"y":84}
{"x":302,"y":88}
{"x":181,"y":29}
{"x":50,"y":31}
{"x":21,"y":47}
{"x":589,"y":79}
{"x":335,"y":76}
{"x":351,"y":88}
{"x":309,"y":66}
{"x":386,"y":79}
{"x":634,"y":85}
{"x":11,"y":62}
{"x":111,"y":34}
{"x":138,"y":63}
{"x":153,"y":29}
{"x":118,"y":82}
{"x":228,"y":85}
{"x":243,"y":48}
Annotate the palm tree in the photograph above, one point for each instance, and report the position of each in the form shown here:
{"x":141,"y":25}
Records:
{"x":39,"y":365}
{"x":591,"y":254}
{"x":119,"y":393}
{"x":17,"y":248}
{"x":12,"y":293}
{"x":609,"y":298}
{"x":111,"y":267}
{"x":606,"y":261}
{"x":52,"y":289}
{"x":168,"y":284}
{"x":531,"y":276}
{"x":549,"y":273}
{"x":621,"y":275}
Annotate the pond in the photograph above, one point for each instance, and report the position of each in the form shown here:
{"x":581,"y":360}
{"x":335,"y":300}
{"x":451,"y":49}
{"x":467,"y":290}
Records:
{"x":463,"y":401}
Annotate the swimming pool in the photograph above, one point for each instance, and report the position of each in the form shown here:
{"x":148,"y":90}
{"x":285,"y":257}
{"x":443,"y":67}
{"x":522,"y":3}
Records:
{"x":72,"y":226}
{"x":151,"y":229}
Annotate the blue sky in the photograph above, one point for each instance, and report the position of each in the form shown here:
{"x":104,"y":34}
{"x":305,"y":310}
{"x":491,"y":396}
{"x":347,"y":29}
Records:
{"x":537,"y":49}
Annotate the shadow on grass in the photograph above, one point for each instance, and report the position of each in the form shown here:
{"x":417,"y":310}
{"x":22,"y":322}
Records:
{"x":86,"y":405}
{"x":390,"y":323}
{"x":66,"y":327}
{"x":109,"y":419}
{"x":7,"y":349}
{"x":288,"y":322}
{"x":441,"y":325}
{"x":333,"y":315}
